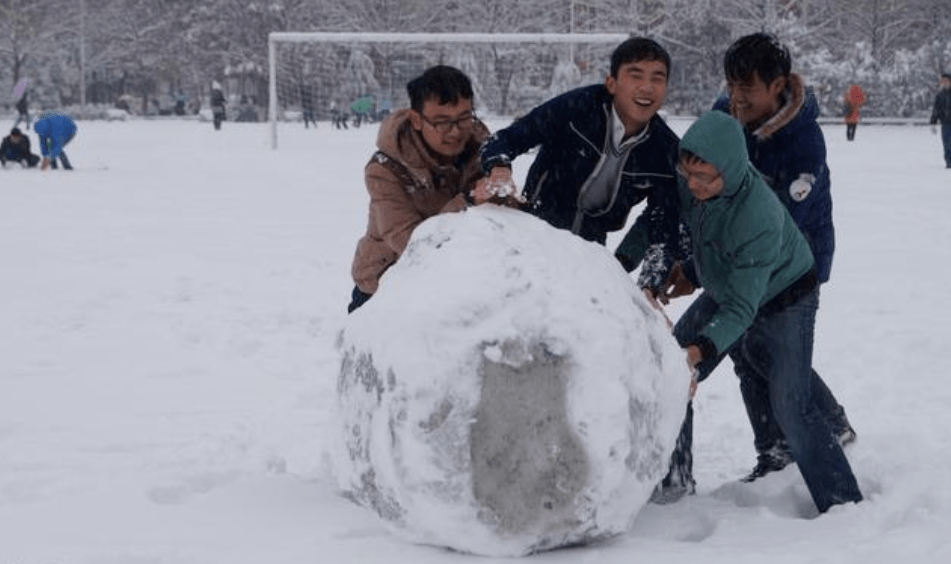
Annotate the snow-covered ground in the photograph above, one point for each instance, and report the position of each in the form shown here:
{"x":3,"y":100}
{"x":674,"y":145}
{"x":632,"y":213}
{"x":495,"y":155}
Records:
{"x":168,"y":315}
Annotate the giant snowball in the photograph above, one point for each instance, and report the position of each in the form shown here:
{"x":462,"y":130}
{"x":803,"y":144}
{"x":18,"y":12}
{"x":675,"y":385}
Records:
{"x":507,"y":390}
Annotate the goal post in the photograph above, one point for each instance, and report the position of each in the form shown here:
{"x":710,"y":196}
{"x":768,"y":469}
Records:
{"x":363,"y":75}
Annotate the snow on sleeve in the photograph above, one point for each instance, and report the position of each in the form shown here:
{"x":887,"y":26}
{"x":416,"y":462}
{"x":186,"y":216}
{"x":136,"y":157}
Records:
{"x":507,"y":390}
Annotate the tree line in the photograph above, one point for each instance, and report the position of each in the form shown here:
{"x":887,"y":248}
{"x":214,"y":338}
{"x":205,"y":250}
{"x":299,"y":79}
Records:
{"x":97,"y":51}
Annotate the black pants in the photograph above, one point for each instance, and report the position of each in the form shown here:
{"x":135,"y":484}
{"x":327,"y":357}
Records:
{"x":29,"y":161}
{"x":63,"y":159}
{"x":62,"y":155}
{"x":850,"y":131}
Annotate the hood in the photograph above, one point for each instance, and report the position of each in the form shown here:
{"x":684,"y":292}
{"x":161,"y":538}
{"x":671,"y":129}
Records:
{"x":718,"y":139}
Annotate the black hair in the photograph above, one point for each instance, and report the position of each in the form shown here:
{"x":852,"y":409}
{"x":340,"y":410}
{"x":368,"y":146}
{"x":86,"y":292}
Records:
{"x":16,"y":131}
{"x":638,"y":49}
{"x":442,"y":83}
{"x":759,"y":53}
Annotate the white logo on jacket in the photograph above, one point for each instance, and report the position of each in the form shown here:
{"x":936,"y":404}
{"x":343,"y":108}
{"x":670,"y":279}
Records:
{"x":801,"y":187}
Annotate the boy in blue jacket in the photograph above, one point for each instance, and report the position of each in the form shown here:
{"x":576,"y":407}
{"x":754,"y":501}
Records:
{"x":602,"y":150}
{"x":761,"y":293}
{"x":55,"y":132}
{"x":778,"y":113}
{"x":784,"y":142}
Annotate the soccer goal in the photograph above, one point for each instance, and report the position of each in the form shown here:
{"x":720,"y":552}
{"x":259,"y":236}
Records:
{"x":351,"y":79}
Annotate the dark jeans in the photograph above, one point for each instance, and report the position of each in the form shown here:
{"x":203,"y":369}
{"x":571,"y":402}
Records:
{"x":23,"y":116}
{"x":766,"y":432}
{"x":946,"y":141}
{"x":29,"y":160}
{"x":218,"y":116}
{"x":62,"y":155}
{"x":850,"y":131}
{"x":357,"y":299}
{"x":63,"y":159}
{"x":777,"y":349}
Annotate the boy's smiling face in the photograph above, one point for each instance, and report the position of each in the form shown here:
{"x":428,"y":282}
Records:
{"x":753,"y":100}
{"x":639,"y":90}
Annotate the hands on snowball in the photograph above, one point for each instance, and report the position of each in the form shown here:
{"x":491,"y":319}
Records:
{"x":676,"y":285}
{"x":498,"y":188}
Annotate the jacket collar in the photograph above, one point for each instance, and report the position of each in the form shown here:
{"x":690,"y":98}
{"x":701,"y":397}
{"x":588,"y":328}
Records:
{"x":795,"y":98}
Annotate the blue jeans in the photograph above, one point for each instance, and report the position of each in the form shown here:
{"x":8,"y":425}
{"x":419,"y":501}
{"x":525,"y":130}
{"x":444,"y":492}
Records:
{"x":767,"y":435}
{"x":946,"y":141}
{"x":777,"y":349}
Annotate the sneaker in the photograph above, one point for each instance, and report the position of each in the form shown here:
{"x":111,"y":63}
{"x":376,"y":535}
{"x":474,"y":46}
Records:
{"x":773,"y":460}
{"x":842,"y":430}
{"x":845,"y":435}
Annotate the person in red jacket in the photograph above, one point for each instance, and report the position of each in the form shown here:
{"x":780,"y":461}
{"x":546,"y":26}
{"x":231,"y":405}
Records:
{"x":853,"y":100}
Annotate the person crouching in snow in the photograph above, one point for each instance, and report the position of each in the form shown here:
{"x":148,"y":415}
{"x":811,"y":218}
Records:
{"x":16,"y":147}
{"x":761,"y":293}
{"x":55,"y":132}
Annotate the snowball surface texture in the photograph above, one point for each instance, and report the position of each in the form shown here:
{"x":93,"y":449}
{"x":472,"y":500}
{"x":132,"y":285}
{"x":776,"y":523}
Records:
{"x":507,"y":390}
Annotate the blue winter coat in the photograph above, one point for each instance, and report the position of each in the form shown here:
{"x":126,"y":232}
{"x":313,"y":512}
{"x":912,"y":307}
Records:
{"x":570,"y":131}
{"x":54,"y":132}
{"x":789,"y":151}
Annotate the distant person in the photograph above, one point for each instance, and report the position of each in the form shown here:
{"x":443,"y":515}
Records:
{"x":942,"y":113}
{"x":23,"y":111}
{"x":760,"y":296}
{"x":16,"y":148}
{"x":362,"y":109}
{"x":217,"y":104}
{"x":853,"y":100}
{"x":307,"y":106}
{"x":426,"y":163}
{"x":55,"y":132}
{"x":338,"y":117}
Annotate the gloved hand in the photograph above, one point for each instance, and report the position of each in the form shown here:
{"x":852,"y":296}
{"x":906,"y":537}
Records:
{"x":676,"y":285}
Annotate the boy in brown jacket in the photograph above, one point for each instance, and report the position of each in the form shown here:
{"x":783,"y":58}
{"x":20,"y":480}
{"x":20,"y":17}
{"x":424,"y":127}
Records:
{"x":427,"y":163}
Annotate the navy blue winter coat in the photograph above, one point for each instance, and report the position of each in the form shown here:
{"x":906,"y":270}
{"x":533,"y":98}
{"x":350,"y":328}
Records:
{"x":570,"y":131}
{"x":942,"y":107}
{"x":790,"y":152}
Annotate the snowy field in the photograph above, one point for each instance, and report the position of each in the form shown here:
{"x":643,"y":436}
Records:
{"x":168,"y":314}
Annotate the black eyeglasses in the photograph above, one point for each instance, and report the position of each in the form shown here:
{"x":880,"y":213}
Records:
{"x":444,"y":126}
{"x":703,"y":179}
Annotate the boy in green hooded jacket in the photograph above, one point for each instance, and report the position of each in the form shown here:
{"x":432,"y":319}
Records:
{"x":760,"y":294}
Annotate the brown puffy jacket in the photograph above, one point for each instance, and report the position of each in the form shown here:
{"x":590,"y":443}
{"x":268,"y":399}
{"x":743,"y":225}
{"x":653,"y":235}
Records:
{"x":402,"y":196}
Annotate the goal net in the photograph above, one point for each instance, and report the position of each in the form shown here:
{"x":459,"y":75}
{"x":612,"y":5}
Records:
{"x":349,"y":79}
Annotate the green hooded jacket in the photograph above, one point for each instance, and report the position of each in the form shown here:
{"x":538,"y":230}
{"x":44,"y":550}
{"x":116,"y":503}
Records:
{"x":746,"y":247}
